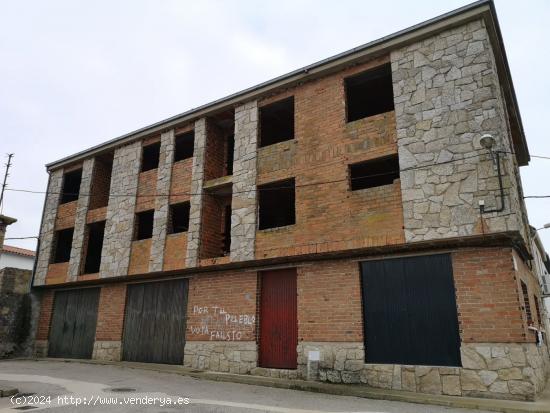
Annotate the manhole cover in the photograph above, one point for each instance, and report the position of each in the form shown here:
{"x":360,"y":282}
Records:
{"x":121,"y":389}
{"x":25,"y":408}
{"x":24,"y":394}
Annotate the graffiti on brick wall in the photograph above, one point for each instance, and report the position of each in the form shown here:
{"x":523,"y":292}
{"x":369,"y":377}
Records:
{"x":220,"y":325}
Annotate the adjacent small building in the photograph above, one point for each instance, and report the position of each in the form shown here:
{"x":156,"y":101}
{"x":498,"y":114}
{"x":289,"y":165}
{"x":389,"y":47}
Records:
{"x":15,"y":257}
{"x":360,"y":220}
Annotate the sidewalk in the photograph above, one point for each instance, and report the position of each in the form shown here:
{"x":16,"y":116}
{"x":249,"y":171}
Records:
{"x":542,"y":405}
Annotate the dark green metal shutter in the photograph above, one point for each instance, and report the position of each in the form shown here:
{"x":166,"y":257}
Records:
{"x":155,"y":322}
{"x":410,"y":311}
{"x":74,"y":320}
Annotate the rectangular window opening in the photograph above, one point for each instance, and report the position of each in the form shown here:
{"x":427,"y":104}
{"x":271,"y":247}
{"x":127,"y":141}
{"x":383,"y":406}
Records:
{"x":369,"y":93}
{"x":527,"y":304}
{"x":150,"y":157}
{"x":230,"y":149}
{"x":227,"y":230}
{"x":63,"y":242}
{"x":184,"y":147}
{"x":178,"y":220}
{"x":277,"y":204}
{"x":277,"y":122}
{"x":71,"y":186}
{"x":373,"y":173}
{"x":94,"y":245}
{"x":144,"y":225}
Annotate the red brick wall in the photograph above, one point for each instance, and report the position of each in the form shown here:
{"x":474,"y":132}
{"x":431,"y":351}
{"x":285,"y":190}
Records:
{"x":110,"y":317}
{"x":57,"y":273}
{"x":234,"y":294}
{"x":96,"y":215}
{"x":45,"y":315}
{"x":180,"y":184}
{"x":175,"y":251}
{"x":147,"y":185}
{"x":101,"y":183}
{"x":330,"y":216}
{"x":214,"y":162}
{"x":213,"y":210}
{"x":65,"y":215}
{"x":139,"y":256}
{"x":329,"y":302}
{"x":487,"y":296}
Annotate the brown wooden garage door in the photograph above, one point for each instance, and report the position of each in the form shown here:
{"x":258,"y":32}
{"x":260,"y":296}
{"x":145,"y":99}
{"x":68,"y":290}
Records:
{"x":155,"y":321}
{"x":74,"y":319}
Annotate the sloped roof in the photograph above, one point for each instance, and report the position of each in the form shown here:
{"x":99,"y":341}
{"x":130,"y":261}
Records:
{"x":19,"y":251}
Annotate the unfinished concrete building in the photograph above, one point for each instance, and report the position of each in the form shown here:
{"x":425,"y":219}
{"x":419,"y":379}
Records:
{"x":360,"y":220}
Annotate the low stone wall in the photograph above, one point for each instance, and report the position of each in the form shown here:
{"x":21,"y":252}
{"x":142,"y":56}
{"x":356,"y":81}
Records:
{"x":238,"y":357}
{"x":504,"y":371}
{"x":107,"y":350}
{"x":15,"y":312}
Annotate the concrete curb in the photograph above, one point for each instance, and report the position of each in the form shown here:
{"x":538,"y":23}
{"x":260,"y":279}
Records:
{"x":542,"y":405}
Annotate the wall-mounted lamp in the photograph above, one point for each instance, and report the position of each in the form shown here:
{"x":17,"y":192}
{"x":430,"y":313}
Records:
{"x":487,"y":141}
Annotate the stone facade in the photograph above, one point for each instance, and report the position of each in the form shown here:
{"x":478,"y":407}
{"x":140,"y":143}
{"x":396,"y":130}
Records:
{"x":243,"y":217}
{"x":107,"y":350}
{"x":495,"y":370}
{"x":447,"y":95}
{"x":79,"y":232}
{"x":238,"y":357}
{"x":119,"y":228}
{"x":48,"y":225}
{"x":164,"y":175}
{"x":193,"y":232}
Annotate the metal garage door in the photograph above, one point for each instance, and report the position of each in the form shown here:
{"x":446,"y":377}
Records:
{"x":74,"y":319}
{"x":155,"y":321}
{"x":410,"y":311}
{"x":278,"y":319}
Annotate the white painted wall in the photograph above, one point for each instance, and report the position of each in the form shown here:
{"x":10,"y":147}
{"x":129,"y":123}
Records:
{"x":8,"y":259}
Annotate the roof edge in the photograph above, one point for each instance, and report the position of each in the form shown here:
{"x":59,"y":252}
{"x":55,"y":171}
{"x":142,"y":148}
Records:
{"x":478,"y":9}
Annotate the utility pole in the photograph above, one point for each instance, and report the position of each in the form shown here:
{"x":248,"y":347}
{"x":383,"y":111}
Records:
{"x":4,"y":184}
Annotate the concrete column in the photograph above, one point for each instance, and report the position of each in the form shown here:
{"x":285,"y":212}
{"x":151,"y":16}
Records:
{"x":4,"y":222}
{"x":193,"y":233}
{"x":243,"y":217}
{"x":119,"y":228}
{"x":48,"y":225}
{"x":164,"y":175}
{"x":80,"y":219}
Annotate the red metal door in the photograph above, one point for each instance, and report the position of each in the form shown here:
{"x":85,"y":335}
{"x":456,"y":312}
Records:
{"x":278,"y":320}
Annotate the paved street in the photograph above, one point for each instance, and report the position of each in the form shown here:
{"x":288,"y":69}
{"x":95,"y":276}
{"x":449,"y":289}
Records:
{"x":105,"y":386}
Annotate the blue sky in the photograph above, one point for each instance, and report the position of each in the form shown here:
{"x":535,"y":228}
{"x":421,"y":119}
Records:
{"x":75,"y":74}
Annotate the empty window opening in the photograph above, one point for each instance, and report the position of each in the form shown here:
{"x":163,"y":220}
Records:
{"x":178,"y":220}
{"x":370,"y":174}
{"x":94,"y":245}
{"x":150,"y":157}
{"x":230,"y":154}
{"x":227,"y":230}
{"x":369,"y":93}
{"x":184,"y":148}
{"x":71,"y":186}
{"x":526,"y":303}
{"x":277,"y":122}
{"x":144,"y":224}
{"x":101,"y":181}
{"x":277,"y":204}
{"x":63,"y":241}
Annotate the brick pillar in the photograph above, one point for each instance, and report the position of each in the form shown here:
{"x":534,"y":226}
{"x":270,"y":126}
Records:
{"x":164,"y":176}
{"x":48,"y":225}
{"x":193,"y":233}
{"x":119,"y":228}
{"x":243,"y":218}
{"x":110,"y":321}
{"x":80,"y":219}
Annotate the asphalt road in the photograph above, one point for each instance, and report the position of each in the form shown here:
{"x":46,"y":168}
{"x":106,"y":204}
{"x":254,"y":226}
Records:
{"x":79,"y":387}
